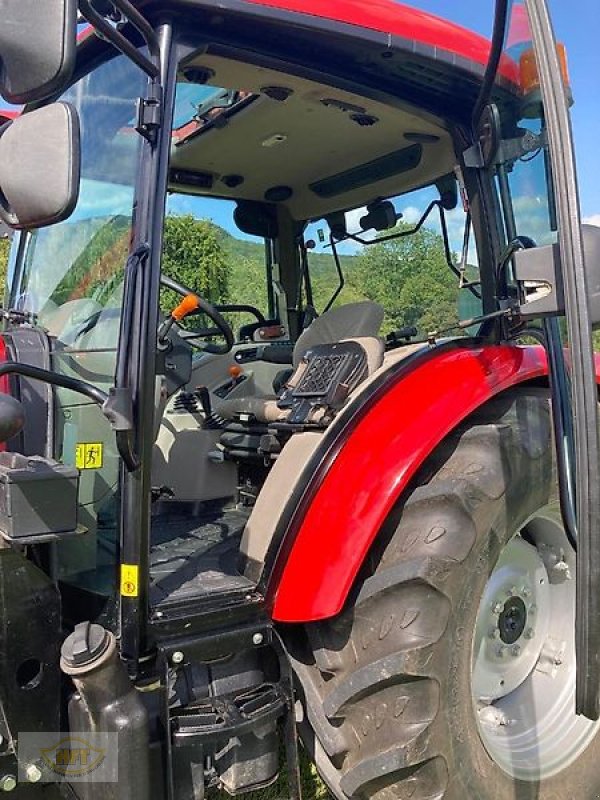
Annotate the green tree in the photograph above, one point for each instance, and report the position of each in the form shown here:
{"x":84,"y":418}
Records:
{"x":410,"y":278}
{"x":4,"y":250}
{"x":193,"y":256}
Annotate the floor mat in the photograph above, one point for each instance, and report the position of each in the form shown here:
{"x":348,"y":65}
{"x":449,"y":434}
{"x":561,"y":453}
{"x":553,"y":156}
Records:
{"x":195,"y":556}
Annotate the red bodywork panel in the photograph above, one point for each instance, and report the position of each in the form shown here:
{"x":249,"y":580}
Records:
{"x":375,"y":464}
{"x":390,"y":17}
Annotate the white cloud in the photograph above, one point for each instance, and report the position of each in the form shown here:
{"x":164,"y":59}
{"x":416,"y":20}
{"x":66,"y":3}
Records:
{"x":353,"y":218}
{"x":593,"y":220}
{"x":411,"y":214}
{"x":455,"y":223}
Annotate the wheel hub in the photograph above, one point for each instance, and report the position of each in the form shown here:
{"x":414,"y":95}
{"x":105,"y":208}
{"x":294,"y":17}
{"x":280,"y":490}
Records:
{"x":523,"y":675}
{"x":512,"y":620}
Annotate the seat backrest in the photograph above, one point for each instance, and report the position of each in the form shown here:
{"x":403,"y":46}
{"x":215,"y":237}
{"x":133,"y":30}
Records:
{"x":352,"y":321}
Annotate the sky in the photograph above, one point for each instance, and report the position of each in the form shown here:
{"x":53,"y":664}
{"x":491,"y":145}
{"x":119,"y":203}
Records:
{"x":577,"y":25}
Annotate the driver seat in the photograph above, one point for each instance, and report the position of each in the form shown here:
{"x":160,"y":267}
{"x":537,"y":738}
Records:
{"x":355,"y":322}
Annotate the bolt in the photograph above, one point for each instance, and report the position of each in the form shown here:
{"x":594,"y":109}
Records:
{"x":494,"y":633}
{"x":8,"y":783}
{"x":533,"y":609}
{"x":525,"y":591}
{"x":33,"y":773}
{"x":558,"y":662}
{"x":529,"y":633}
{"x":497,"y":608}
{"x":500,"y":652}
{"x":257,"y":639}
{"x":516,"y":651}
{"x":513,"y":591}
{"x":177,"y":657}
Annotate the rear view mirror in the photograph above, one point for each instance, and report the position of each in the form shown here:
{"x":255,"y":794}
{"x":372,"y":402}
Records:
{"x":37,"y":47}
{"x":381,"y":216}
{"x":40,"y":164}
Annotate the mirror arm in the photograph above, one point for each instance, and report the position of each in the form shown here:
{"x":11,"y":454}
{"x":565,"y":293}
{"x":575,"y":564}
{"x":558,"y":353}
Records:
{"x":341,"y":279}
{"x":116,"y":405}
{"x":121,"y":42}
{"x":63,"y":381}
{"x":498,"y":36}
{"x":141,"y":24}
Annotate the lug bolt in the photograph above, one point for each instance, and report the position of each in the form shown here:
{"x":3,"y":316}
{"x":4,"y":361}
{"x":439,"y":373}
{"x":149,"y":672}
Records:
{"x":516,"y":651}
{"x":526,"y":591}
{"x":529,"y":633}
{"x":8,"y":783}
{"x":497,"y":608}
{"x":33,"y":773}
{"x":500,"y":652}
{"x":494,"y":633}
{"x":257,"y":639}
{"x":177,"y":657}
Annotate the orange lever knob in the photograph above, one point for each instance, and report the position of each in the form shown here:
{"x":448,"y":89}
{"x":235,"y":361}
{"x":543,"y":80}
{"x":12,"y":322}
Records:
{"x":235,"y":371}
{"x":189,"y":303}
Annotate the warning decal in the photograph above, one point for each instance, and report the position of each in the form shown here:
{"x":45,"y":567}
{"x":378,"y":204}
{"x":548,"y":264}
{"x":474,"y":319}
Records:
{"x":89,"y":455}
{"x":129,"y":580}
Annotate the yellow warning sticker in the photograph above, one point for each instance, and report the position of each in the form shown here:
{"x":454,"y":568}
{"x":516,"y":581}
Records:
{"x":129,"y":580}
{"x":89,"y":455}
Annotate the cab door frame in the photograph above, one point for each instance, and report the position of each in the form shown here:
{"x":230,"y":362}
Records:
{"x":584,"y":392}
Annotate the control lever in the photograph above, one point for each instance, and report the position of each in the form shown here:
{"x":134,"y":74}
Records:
{"x":212,"y":421}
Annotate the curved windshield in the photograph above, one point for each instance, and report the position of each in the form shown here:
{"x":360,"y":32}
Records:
{"x":71,"y":276}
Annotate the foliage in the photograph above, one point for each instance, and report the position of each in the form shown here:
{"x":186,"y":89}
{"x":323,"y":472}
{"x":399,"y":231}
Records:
{"x":99,"y":268}
{"x":410,"y":278}
{"x":4,"y":250}
{"x":193,"y":255}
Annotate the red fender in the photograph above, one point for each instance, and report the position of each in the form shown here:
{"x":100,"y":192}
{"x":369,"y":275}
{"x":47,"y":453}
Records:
{"x":375,"y":464}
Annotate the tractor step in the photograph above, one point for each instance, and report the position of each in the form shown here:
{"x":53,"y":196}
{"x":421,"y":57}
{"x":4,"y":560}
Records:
{"x":219,"y":719}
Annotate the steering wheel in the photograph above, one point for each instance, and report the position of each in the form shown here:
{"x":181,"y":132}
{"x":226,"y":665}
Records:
{"x":222,"y":327}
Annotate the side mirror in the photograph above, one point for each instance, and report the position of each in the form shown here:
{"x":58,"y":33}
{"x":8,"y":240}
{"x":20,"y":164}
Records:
{"x":37,"y":47}
{"x":540,"y":268}
{"x":40,"y":165}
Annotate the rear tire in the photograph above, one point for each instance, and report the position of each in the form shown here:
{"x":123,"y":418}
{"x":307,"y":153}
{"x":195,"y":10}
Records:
{"x":386,"y":687}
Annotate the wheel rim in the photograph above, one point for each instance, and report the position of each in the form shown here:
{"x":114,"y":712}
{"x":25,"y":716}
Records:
{"x":523,"y":670}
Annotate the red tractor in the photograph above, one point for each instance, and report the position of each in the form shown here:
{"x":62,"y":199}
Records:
{"x":263,"y":498}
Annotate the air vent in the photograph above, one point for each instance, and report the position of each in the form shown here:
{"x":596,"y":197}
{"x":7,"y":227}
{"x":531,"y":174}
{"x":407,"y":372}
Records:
{"x":200,"y":180}
{"x":381,"y":168}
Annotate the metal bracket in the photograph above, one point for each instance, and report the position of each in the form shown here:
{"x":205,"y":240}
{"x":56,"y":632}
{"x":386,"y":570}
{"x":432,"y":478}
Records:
{"x":473,"y":157}
{"x":149,"y":113}
{"x":118,"y":408}
{"x":512,"y":150}
{"x":540,"y":268}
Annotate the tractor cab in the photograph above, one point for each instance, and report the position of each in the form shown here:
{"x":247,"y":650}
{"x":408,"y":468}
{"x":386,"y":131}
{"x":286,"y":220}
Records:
{"x":299,"y":402}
